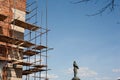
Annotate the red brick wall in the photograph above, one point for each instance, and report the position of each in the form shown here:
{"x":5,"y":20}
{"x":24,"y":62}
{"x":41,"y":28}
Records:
{"x":18,"y":4}
{"x":6,"y":9}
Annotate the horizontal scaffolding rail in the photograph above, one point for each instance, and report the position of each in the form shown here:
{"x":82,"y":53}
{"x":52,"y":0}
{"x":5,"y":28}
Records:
{"x":40,"y":66}
{"x":39,"y":47}
{"x":32,"y":70}
{"x":23,"y":63}
{"x":30,"y":52}
{"x":25,"y":25}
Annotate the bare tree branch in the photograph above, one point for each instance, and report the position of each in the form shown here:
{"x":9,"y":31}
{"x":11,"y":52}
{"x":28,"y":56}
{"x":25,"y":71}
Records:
{"x":80,"y":1}
{"x":110,"y":4}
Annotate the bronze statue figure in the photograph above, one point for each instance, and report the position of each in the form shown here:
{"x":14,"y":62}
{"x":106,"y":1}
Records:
{"x":75,"y":69}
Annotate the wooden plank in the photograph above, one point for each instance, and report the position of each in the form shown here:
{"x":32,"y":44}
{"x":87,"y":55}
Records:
{"x":32,"y":70}
{"x":29,"y":53}
{"x":40,"y":66}
{"x":26,"y":72}
{"x":27,"y":44}
{"x":23,"y":63}
{"x":25,"y":25}
{"x":39,"y":47}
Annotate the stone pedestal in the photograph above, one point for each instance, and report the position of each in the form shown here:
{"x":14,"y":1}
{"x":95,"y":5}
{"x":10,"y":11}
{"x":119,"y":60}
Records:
{"x":75,"y":78}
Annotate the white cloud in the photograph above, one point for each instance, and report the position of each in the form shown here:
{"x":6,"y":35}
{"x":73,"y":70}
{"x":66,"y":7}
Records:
{"x":52,"y":76}
{"x":118,"y":78}
{"x":103,"y":78}
{"x":116,"y":70}
{"x":84,"y":72}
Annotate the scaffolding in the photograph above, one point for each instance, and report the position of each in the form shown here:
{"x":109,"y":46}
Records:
{"x":23,"y":42}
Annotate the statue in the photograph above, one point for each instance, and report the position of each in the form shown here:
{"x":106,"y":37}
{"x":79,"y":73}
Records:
{"x":75,"y":68}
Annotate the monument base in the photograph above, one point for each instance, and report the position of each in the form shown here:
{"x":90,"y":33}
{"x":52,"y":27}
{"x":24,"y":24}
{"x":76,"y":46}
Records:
{"x":75,"y":78}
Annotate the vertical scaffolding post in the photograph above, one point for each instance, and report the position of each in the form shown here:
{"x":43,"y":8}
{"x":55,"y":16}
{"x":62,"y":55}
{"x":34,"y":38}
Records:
{"x":41,"y":37}
{"x":46,"y":38}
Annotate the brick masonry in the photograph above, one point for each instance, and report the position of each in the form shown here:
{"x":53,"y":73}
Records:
{"x":7,"y":8}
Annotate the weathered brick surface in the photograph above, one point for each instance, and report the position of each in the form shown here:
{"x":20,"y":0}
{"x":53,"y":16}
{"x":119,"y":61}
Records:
{"x":6,"y":8}
{"x":18,"y":4}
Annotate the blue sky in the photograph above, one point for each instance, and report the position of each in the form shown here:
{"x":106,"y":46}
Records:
{"x":93,"y":42}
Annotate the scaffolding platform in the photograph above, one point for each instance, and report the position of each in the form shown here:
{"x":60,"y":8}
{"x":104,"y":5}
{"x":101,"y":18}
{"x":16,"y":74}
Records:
{"x":27,"y":44}
{"x":30,"y":53}
{"x":23,"y":63}
{"x":2,"y":17}
{"x":40,"y":66}
{"x":32,"y":70}
{"x":14,"y":41}
{"x":25,"y":25}
{"x":39,"y":47}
